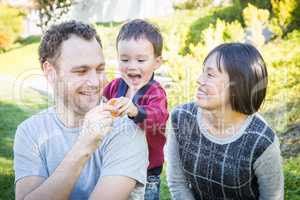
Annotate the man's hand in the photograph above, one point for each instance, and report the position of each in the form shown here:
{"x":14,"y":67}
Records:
{"x":97,"y":123}
{"x":124,"y":105}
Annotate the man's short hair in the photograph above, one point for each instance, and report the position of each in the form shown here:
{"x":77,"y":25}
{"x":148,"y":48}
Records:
{"x":247,"y":74}
{"x":137,"y":29}
{"x":50,"y":46}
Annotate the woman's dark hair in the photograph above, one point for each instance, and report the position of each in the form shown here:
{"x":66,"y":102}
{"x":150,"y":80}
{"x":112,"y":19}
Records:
{"x":247,"y":74}
{"x":50,"y":46}
{"x":138,"y":28}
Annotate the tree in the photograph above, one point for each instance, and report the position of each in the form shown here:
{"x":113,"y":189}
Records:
{"x":51,"y":10}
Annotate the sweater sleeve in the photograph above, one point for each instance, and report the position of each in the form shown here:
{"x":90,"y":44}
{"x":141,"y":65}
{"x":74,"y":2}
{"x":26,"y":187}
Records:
{"x":269,"y":173}
{"x":177,"y":183}
{"x":155,"y":112}
{"x":110,"y":90}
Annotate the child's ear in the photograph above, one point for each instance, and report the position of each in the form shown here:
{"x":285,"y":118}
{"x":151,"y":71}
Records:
{"x":159,"y":61}
{"x":49,"y":72}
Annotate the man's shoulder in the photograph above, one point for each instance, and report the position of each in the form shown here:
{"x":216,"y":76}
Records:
{"x":40,"y":116}
{"x":37,"y":120}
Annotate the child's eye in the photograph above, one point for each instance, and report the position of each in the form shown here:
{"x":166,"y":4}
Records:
{"x":124,"y":60}
{"x":141,"y":60}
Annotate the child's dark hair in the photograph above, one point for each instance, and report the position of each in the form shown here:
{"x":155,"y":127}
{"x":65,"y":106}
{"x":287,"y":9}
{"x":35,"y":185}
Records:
{"x":247,"y":74}
{"x":139,"y":28}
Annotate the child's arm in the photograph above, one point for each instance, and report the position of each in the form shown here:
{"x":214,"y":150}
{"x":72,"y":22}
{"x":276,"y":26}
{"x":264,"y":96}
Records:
{"x":152,"y":114}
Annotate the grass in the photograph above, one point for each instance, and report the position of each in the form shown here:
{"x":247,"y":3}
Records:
{"x":12,"y":112}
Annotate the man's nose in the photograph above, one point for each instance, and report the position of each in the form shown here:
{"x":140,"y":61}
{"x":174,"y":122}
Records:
{"x":94,"y":78}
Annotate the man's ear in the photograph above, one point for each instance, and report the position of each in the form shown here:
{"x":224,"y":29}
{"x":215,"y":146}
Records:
{"x":49,"y":72}
{"x":159,"y":61}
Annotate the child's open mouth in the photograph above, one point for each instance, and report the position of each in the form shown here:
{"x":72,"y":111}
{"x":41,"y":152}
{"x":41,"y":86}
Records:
{"x":134,"y":78}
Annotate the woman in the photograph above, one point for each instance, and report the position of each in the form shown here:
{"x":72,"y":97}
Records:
{"x":219,"y":147}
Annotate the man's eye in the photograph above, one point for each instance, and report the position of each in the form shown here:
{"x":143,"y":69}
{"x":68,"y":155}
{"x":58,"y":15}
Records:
{"x":80,"y":72}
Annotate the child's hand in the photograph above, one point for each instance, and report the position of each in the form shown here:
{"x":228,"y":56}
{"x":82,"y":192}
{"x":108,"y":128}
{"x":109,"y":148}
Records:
{"x":124,"y":106}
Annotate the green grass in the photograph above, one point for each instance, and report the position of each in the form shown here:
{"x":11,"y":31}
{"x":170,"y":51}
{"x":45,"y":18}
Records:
{"x":12,"y":112}
{"x":292,"y":178}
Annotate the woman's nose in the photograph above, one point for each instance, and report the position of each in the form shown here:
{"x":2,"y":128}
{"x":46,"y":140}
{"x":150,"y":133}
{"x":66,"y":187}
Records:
{"x":200,"y":80}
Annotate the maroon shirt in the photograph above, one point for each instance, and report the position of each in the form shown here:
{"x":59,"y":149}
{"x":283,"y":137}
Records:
{"x":151,"y":101}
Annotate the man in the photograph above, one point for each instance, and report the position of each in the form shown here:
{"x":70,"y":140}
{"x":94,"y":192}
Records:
{"x":76,"y":150}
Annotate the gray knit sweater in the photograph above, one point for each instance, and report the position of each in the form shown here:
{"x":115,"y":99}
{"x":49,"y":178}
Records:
{"x":245,"y":166}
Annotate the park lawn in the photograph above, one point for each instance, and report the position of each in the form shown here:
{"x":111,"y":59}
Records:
{"x":20,"y":60}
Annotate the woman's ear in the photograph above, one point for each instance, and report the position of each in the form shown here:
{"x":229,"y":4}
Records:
{"x":159,"y":61}
{"x":49,"y":72}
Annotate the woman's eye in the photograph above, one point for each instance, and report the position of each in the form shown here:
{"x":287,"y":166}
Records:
{"x":210,"y":75}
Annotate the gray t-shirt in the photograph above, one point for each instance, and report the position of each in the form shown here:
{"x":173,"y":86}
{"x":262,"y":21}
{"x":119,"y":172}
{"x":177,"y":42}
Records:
{"x":42,"y":141}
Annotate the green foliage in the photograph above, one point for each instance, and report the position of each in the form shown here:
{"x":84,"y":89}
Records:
{"x":192,"y":4}
{"x":256,"y":20}
{"x":253,"y":15}
{"x":265,"y":4}
{"x":283,"y":11}
{"x":295,"y":23}
{"x":11,"y":26}
{"x":292,"y":178}
{"x":209,"y":18}
{"x":282,"y":107}
{"x":222,"y":32}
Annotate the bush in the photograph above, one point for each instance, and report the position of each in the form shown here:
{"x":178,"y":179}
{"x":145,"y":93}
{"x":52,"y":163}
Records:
{"x":194,"y":34}
{"x":192,"y":4}
{"x":256,"y":20}
{"x":11,"y":26}
{"x":283,"y":11}
{"x":265,"y":4}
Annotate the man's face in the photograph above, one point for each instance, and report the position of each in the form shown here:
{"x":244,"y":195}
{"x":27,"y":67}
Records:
{"x":80,"y":74}
{"x":137,"y":61}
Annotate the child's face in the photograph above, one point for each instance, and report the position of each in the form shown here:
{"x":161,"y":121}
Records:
{"x":137,"y":62}
{"x":213,"y":86}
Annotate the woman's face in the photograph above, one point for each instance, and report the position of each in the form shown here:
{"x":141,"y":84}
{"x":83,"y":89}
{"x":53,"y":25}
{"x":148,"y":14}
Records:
{"x":213,"y":86}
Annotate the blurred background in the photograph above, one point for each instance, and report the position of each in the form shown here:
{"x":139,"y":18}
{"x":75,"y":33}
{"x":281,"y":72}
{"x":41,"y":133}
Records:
{"x":191,"y":28}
